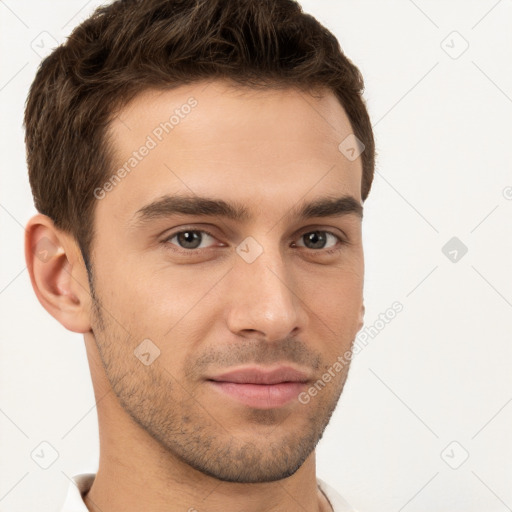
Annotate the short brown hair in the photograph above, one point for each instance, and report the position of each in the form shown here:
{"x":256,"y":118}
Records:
{"x":133,"y":45}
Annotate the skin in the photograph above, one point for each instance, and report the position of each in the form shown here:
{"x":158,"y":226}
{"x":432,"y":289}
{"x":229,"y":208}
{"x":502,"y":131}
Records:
{"x":168,"y":441}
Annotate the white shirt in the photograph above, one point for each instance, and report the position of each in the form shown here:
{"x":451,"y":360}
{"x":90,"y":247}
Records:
{"x":82,"y":483}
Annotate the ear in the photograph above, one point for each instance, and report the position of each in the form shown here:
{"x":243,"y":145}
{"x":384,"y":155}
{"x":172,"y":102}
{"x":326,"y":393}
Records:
{"x":58,"y":273}
{"x":361,"y":317}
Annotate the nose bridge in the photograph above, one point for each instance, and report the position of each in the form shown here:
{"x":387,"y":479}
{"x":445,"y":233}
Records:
{"x":263,"y":298}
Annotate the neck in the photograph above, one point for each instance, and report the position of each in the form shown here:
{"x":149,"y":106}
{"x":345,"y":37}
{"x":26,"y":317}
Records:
{"x":136,"y":473}
{"x":140,"y":476}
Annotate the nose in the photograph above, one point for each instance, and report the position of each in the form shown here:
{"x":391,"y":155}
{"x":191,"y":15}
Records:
{"x":264,"y":300}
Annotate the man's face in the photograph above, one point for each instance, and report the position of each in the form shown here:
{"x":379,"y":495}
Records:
{"x":214,"y":293}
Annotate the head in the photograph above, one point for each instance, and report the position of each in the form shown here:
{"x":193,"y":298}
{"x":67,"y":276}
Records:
{"x":198,"y":171}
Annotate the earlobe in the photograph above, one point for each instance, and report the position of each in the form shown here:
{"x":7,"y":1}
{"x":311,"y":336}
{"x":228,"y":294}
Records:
{"x":57,"y":273}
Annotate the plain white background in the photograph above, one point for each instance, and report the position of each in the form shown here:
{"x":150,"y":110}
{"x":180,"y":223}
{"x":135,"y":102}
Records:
{"x":425,"y":419}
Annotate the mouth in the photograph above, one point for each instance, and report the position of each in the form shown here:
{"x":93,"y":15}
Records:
{"x":259,"y":387}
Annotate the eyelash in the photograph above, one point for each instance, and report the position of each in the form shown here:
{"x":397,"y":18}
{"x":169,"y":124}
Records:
{"x":189,"y":252}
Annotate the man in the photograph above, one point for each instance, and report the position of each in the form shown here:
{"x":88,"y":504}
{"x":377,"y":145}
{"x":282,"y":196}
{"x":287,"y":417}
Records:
{"x":199,"y":167}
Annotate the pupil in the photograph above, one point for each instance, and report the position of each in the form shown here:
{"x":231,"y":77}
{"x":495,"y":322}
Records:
{"x":315,"y":238}
{"x":187,"y":238}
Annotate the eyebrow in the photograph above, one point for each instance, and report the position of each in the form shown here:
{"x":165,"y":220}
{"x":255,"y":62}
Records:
{"x":204,"y":206}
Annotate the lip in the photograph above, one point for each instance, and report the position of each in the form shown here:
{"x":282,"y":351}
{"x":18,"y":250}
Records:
{"x":261,"y":375}
{"x":261,"y":388}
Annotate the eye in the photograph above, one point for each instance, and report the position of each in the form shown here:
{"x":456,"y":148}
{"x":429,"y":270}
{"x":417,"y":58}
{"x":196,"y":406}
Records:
{"x":317,"y":240}
{"x":189,"y":239}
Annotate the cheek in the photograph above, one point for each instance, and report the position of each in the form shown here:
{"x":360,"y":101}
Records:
{"x":152,"y":294}
{"x":175,"y":308}
{"x":338,"y":307}
{"x":170,"y":295}
{"x":334,"y":289}
{"x":333,"y":302}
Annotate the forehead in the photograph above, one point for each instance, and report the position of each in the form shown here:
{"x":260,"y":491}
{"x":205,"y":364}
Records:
{"x":265,"y":148}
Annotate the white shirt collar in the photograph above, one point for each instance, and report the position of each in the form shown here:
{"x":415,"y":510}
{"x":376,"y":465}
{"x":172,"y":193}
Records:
{"x":336,"y":500}
{"x":76,"y":490}
{"x":82,"y":483}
